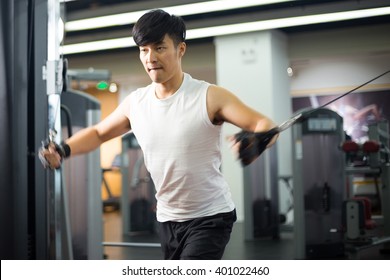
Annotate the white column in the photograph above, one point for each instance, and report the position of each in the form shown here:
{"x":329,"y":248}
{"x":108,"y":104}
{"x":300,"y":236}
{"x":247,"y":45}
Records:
{"x":254,"y":67}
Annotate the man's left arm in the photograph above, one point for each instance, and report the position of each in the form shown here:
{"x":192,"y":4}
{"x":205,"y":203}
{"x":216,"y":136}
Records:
{"x":257,"y":134}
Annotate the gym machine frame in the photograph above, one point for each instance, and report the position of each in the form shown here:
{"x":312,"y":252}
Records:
{"x":363,"y":231}
{"x":133,"y":180}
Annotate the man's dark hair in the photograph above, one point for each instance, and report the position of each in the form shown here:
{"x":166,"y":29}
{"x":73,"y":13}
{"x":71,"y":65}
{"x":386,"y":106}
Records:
{"x":154,"y":25}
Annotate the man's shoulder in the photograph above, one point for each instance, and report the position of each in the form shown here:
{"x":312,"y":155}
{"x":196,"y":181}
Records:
{"x":141,"y":91}
{"x":194,"y":81}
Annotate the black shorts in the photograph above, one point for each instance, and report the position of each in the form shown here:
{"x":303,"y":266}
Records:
{"x":198,"y":239}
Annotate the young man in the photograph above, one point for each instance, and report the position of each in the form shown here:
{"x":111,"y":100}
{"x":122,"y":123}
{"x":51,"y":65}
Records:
{"x":177,"y":121}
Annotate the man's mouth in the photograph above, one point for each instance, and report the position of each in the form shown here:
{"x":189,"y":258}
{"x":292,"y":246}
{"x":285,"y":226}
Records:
{"x":154,"y":68}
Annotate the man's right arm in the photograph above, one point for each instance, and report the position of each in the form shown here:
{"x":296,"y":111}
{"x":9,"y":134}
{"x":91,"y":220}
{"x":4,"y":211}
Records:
{"x":90,"y":138}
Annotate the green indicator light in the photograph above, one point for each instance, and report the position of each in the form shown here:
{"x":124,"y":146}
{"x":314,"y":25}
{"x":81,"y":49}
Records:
{"x":102,"y":85}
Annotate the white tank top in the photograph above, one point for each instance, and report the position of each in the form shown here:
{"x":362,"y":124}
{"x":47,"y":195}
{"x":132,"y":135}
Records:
{"x":181,"y":149}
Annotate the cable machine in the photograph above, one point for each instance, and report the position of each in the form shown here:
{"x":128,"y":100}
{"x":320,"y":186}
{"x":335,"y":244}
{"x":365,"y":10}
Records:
{"x":318,"y":179}
{"x":81,"y":179}
{"x":138,"y":191}
{"x":261,"y":197}
{"x":33,"y":79}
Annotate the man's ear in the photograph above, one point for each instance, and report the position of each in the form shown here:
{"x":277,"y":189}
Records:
{"x":182,"y":48}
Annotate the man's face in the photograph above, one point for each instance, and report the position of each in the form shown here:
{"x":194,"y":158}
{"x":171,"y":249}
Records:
{"x":162,"y":60}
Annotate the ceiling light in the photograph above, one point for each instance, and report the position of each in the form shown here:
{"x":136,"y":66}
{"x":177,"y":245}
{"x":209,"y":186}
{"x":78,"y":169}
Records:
{"x":99,"y":45}
{"x":234,"y":29}
{"x":284,"y":22}
{"x":181,"y":10}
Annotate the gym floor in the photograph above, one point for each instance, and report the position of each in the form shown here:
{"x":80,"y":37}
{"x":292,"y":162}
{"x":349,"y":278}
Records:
{"x":237,"y":249}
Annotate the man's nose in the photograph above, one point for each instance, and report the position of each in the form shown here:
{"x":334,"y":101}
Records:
{"x":151,"y":57}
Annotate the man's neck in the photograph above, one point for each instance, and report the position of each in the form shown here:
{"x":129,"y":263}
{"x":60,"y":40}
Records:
{"x":165,"y":90}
